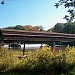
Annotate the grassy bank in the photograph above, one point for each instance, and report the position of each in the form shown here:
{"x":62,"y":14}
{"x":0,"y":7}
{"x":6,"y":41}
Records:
{"x":38,"y":62}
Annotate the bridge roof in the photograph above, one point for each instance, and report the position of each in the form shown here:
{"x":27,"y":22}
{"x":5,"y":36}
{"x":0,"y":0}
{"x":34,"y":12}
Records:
{"x":8,"y":34}
{"x":13,"y":31}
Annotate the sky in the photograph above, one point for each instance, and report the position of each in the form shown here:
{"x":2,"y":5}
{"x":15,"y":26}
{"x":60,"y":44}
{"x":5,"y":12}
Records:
{"x":31,"y":12}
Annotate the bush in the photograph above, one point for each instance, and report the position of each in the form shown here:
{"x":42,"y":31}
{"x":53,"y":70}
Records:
{"x":7,"y":60}
{"x":39,"y":62}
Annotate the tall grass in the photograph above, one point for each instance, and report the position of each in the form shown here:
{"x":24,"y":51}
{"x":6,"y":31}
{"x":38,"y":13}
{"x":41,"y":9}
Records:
{"x":38,"y":62}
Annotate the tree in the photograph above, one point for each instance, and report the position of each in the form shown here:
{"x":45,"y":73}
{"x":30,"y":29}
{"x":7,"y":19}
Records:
{"x":26,"y":27}
{"x":50,"y":30}
{"x":2,"y":2}
{"x":58,"y":27}
{"x":33,"y":28}
{"x":41,"y":28}
{"x":70,"y":5}
{"x":18,"y":27}
{"x":68,"y":28}
{"x":10,"y":27}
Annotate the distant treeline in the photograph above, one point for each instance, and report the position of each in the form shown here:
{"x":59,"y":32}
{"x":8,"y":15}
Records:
{"x":26,"y":27}
{"x":68,"y":28}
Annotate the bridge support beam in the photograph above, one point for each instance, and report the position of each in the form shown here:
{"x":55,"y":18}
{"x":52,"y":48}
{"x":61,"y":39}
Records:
{"x":9,"y":44}
{"x":1,"y":43}
{"x":60,"y":45}
{"x":13,"y":44}
{"x":53,"y":45}
{"x":24,"y":48}
{"x":41,"y":45}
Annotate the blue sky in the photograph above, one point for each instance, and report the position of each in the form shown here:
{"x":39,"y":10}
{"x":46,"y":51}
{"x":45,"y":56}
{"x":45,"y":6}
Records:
{"x":31,"y":12}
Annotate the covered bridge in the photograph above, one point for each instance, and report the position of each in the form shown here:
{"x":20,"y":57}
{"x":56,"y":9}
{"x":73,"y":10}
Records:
{"x":11,"y":35}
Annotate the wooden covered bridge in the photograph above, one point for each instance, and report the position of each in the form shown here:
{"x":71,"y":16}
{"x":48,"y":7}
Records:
{"x":11,"y":36}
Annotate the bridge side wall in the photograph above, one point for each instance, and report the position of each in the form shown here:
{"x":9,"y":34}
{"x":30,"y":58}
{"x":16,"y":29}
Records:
{"x":1,"y":38}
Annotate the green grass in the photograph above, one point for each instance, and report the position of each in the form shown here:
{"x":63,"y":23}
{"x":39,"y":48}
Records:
{"x":38,"y":62}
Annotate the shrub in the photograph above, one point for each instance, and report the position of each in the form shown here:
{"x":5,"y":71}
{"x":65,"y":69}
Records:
{"x":43,"y":61}
{"x":7,"y":60}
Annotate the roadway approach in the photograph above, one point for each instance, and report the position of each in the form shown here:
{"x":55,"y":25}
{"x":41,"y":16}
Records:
{"x":37,"y":37}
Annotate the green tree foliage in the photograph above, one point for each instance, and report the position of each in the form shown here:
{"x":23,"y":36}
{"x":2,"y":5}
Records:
{"x":50,"y":30}
{"x":70,"y":5}
{"x":68,"y":28}
{"x":58,"y":27}
{"x":41,"y":28}
{"x":2,"y":2}
{"x":18,"y":27}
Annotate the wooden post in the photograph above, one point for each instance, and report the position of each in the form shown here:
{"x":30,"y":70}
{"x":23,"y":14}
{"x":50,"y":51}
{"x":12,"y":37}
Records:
{"x":13,"y":46}
{"x":24,"y":48}
{"x":60,"y":45}
{"x":9,"y":44}
{"x":53,"y":45}
{"x":0,"y":43}
{"x":41,"y":45}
